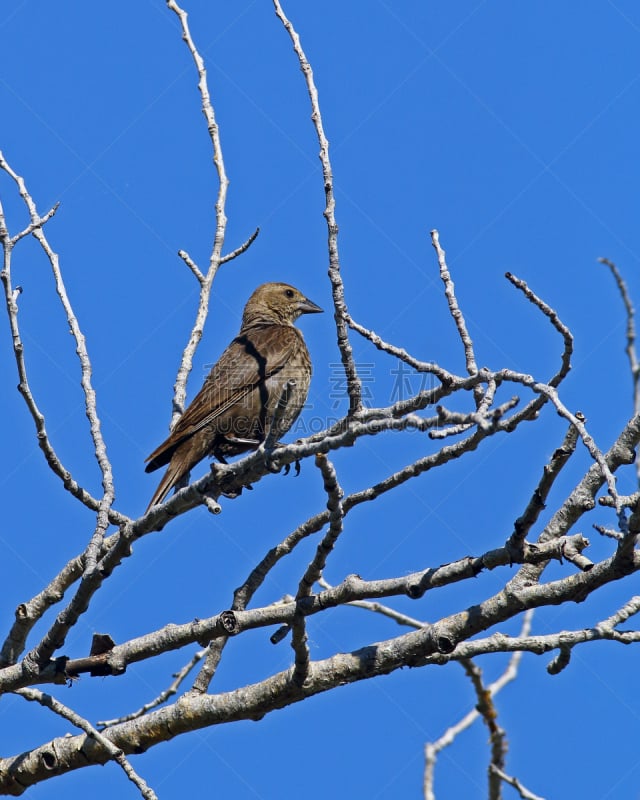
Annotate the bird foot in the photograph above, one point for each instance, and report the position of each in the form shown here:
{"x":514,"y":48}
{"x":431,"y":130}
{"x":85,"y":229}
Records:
{"x":287,"y":468}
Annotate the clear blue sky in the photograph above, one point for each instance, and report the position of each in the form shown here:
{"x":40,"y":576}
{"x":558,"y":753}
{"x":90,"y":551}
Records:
{"x":510,"y":127}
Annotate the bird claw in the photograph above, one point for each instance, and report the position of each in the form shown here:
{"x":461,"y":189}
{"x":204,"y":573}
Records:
{"x":287,"y":468}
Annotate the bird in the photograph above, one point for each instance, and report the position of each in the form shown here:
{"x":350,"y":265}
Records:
{"x":234,"y":410}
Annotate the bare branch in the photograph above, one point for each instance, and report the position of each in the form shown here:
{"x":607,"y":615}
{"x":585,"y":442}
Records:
{"x":46,"y":700}
{"x":192,"y":265}
{"x":454,"y":629}
{"x":456,"y":313}
{"x":172,"y":689}
{"x":489,"y":714}
{"x":206,"y":281}
{"x":555,"y":320}
{"x":379,"y":608}
{"x":482,"y":418}
{"x":577,"y":420}
{"x":242,"y":249}
{"x":432,"y":749}
{"x":35,"y":224}
{"x":354,"y":386}
{"x":398,"y":352}
{"x":27,"y":614}
{"x":103,"y":506}
{"x":522,"y":791}
{"x":531,"y":410}
{"x":550,"y":472}
{"x":314,"y":570}
{"x":632,"y":355}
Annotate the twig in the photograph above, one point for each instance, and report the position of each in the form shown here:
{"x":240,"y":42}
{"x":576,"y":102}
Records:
{"x":555,"y":320}
{"x":631,"y":338}
{"x":628,"y":610}
{"x":192,"y":265}
{"x":100,"y":449}
{"x":27,"y":614}
{"x":354,"y":386}
{"x":483,"y":419}
{"x":39,"y":222}
{"x":487,"y":710}
{"x":581,"y":500}
{"x":577,"y":420}
{"x":432,"y":749}
{"x":46,"y":700}
{"x":398,"y":352}
{"x":379,"y":608}
{"x":522,"y":791}
{"x":317,"y":565}
{"x":532,"y":408}
{"x":162,"y":697}
{"x":240,"y":250}
{"x":550,"y":472}
{"x":608,"y":532}
{"x":336,"y":516}
{"x":206,"y":281}
{"x":102,"y":506}
{"x":456,"y":313}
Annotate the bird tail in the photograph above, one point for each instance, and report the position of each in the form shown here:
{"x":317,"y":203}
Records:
{"x":173,"y":474}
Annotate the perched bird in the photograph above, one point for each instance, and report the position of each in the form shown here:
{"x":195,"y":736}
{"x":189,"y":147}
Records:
{"x":235,"y":408}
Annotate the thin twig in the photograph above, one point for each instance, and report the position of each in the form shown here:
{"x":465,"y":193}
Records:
{"x":354,"y":386}
{"x":628,"y":610}
{"x":206,"y":281}
{"x":487,"y":710}
{"x":100,"y":448}
{"x":162,"y":697}
{"x":379,"y":608}
{"x":608,"y":532}
{"x":46,"y":700}
{"x":531,"y":410}
{"x":317,"y":565}
{"x":398,"y":352}
{"x":456,"y":313}
{"x":630,"y":349}
{"x":555,"y":320}
{"x":195,"y":269}
{"x":522,"y":791}
{"x":550,"y":472}
{"x":27,"y":614}
{"x":577,"y":420}
{"x":242,"y":249}
{"x":432,"y":749}
{"x":35,"y":223}
{"x":486,"y":420}
{"x":102,"y":506}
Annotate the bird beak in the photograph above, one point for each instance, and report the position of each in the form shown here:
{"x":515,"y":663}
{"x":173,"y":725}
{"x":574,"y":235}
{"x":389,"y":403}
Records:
{"x":307,"y":307}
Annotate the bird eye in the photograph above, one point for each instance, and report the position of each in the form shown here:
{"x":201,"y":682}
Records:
{"x":289,"y":293}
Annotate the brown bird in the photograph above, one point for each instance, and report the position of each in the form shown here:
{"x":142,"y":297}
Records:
{"x":235,"y":408}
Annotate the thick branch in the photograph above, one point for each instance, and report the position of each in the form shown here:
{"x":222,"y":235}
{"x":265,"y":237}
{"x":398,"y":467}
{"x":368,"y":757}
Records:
{"x":431,"y":644}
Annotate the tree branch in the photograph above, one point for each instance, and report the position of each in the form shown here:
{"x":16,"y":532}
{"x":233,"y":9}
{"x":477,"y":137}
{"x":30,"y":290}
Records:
{"x":205,"y":281}
{"x":354,"y":386}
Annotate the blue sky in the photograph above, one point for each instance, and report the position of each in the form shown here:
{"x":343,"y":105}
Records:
{"x":512,"y":128}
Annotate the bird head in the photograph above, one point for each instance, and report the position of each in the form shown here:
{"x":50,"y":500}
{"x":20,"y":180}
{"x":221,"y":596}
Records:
{"x":276,"y":303}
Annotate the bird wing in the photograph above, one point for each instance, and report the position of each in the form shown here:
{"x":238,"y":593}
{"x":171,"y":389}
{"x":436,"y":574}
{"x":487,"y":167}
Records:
{"x":252,"y":357}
